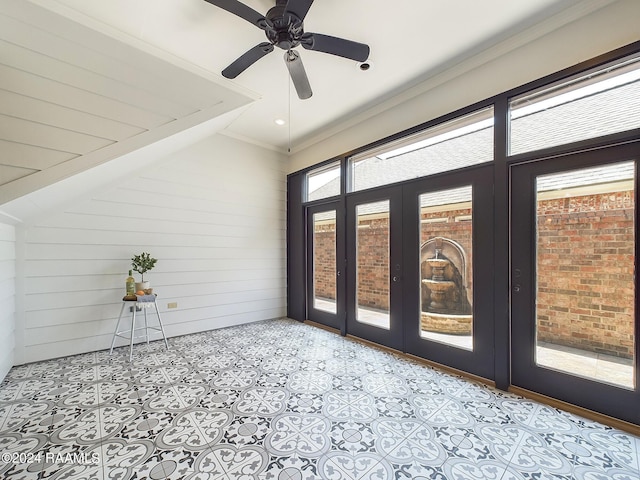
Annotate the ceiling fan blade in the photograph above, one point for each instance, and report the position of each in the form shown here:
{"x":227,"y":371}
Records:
{"x":241,"y":10}
{"x":298,"y":74}
{"x":247,"y":59}
{"x":298,"y":7}
{"x":335,"y":46}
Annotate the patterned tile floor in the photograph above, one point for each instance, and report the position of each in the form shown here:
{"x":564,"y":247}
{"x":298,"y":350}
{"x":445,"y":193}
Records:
{"x":281,"y":400}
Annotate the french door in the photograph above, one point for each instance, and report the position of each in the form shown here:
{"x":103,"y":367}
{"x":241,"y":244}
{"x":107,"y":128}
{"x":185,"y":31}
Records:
{"x":374,"y":266}
{"x":419,"y":268}
{"x":325,"y":265}
{"x":448,"y":256}
{"x":573,"y":283}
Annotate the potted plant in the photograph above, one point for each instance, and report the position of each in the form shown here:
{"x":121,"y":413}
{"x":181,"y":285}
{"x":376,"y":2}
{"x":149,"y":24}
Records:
{"x":142,"y":264}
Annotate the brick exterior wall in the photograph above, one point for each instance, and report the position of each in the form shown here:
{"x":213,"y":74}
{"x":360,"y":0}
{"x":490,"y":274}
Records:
{"x":324,"y":256}
{"x":585,"y":268}
{"x":373,"y":263}
{"x":585,"y":272}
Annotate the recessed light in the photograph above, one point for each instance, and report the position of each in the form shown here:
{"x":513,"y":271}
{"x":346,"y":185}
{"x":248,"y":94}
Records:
{"x":279,"y":121}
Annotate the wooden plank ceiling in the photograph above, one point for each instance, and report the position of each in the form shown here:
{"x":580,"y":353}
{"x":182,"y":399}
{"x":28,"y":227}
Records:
{"x":72,"y":97}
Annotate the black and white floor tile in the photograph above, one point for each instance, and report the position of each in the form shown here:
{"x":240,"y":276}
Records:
{"x":281,"y":400}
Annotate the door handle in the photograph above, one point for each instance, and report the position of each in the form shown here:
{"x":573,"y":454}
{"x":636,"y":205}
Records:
{"x":396,"y":278}
{"x":517,"y":273}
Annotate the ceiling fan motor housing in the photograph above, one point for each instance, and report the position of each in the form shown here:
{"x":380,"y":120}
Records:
{"x":284,"y":29}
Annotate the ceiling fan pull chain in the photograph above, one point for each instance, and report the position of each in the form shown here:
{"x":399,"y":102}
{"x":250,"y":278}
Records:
{"x":289,"y":124}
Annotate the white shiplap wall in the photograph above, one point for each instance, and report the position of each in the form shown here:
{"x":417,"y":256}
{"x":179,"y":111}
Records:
{"x":213,"y":215}
{"x":7,"y":297}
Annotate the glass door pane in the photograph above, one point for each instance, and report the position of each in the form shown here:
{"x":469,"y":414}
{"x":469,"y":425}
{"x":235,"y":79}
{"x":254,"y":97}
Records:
{"x":324,"y":261}
{"x":585,"y":289}
{"x":372,"y":264}
{"x":446,"y":266}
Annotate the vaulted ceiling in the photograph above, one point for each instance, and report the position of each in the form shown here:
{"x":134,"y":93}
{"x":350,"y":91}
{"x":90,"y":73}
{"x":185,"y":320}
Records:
{"x":83,"y":82}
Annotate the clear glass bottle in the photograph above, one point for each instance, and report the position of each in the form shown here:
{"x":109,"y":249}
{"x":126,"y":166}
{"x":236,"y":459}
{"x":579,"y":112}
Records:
{"x":131,"y":284}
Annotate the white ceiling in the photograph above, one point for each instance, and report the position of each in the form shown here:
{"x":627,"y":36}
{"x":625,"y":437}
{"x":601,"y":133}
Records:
{"x":83,"y":82}
{"x":409,"y":40}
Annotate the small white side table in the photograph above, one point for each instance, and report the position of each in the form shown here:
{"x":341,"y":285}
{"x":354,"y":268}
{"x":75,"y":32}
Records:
{"x":143,"y":302}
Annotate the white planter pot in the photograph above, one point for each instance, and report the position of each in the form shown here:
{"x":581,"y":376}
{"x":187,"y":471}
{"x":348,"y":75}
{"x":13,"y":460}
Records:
{"x":141,"y":286}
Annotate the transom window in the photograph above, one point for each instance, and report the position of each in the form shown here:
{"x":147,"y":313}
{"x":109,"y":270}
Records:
{"x":459,"y":143}
{"x":593,"y":104}
{"x":323,"y":182}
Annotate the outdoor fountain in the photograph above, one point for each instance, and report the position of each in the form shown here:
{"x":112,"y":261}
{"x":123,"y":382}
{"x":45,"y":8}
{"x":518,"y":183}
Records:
{"x":445,"y":306}
{"x":437,"y":284}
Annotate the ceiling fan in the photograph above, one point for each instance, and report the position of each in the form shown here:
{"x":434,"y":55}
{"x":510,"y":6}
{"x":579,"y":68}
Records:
{"x":283,"y":25}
